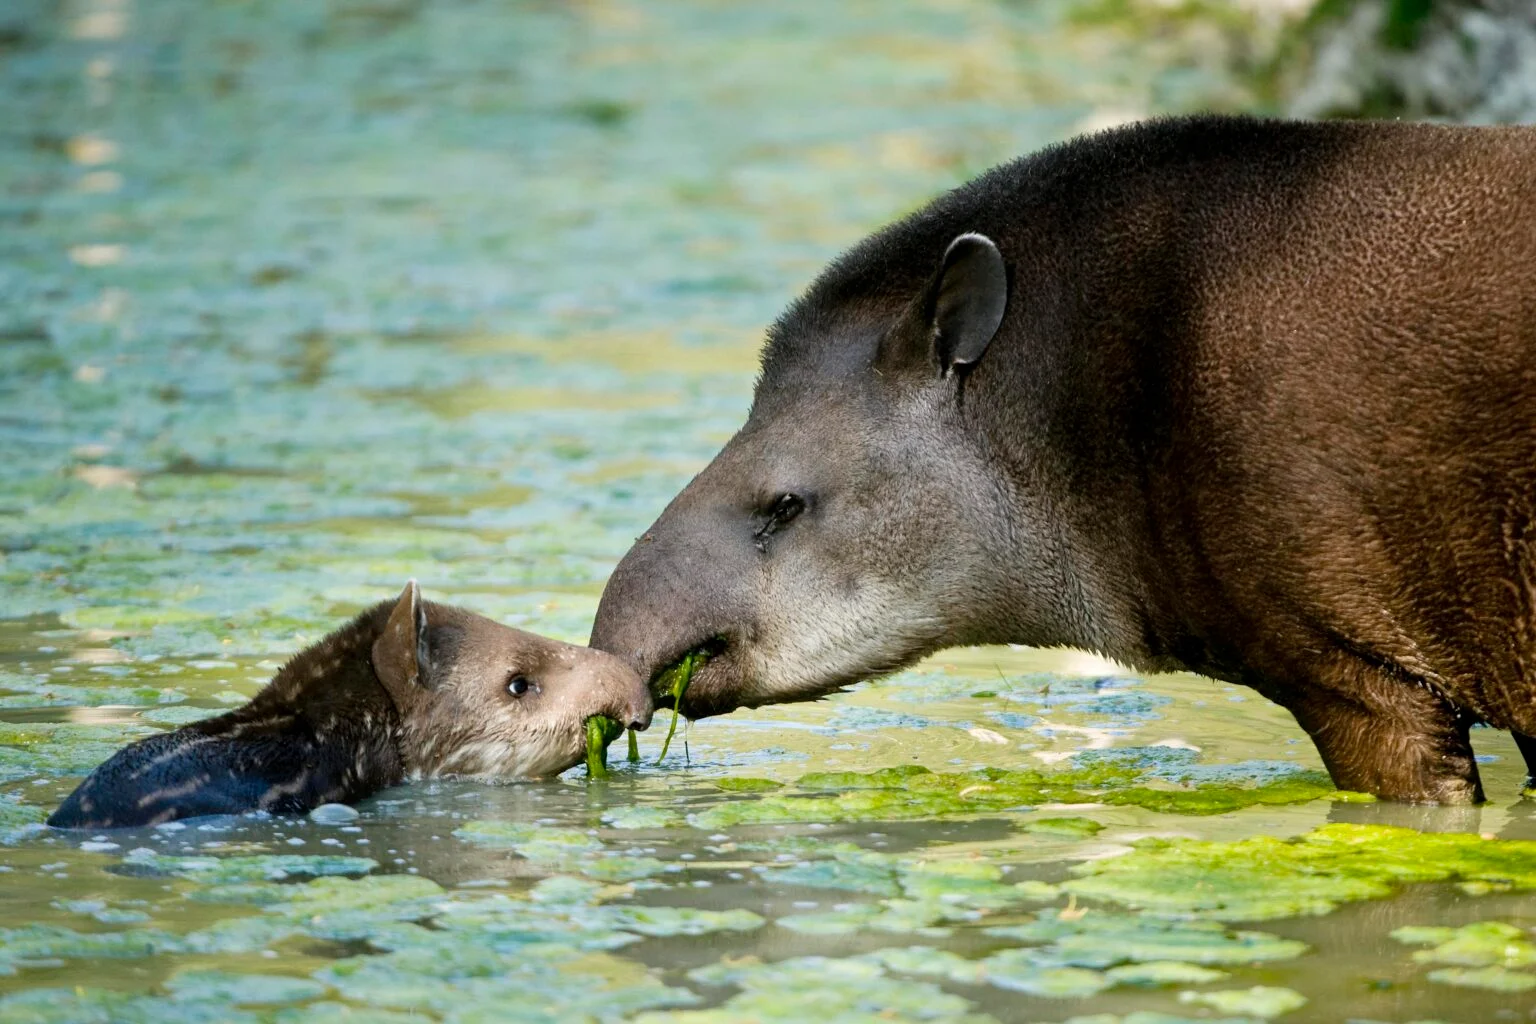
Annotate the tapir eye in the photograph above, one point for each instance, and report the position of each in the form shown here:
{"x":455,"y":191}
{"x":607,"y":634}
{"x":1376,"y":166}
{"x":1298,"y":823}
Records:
{"x":783,"y":511}
{"x":518,"y":685}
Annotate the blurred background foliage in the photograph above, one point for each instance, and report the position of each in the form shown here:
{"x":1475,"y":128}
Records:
{"x":1464,"y":60}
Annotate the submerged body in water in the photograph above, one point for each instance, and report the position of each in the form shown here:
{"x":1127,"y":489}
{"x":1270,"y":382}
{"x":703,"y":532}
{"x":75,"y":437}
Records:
{"x":407,"y":690}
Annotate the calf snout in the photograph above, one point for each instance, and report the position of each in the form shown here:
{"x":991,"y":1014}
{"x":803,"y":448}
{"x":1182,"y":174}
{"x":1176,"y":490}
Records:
{"x":602,"y":684}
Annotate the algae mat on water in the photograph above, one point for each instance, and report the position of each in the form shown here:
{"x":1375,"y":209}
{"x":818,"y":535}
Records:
{"x":912,"y":791}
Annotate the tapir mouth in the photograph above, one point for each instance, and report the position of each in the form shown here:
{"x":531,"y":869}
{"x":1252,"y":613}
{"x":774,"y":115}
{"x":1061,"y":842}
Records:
{"x":667,"y":694}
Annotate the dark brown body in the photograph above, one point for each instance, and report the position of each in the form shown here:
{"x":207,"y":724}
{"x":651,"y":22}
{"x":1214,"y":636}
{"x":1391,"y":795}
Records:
{"x":407,"y":689}
{"x":1262,"y":405}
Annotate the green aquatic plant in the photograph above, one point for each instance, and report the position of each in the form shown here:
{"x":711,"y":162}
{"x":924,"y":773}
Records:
{"x":1485,"y":954}
{"x":255,"y":868}
{"x":601,"y":731}
{"x":821,"y":989}
{"x":1264,"y":1001}
{"x":912,"y":791}
{"x":675,"y":680}
{"x":1261,"y":877}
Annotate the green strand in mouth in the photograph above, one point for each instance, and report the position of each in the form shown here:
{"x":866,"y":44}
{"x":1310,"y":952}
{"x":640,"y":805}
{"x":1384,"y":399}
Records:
{"x":601,"y":731}
{"x":676,"y":679}
{"x":634,"y":747}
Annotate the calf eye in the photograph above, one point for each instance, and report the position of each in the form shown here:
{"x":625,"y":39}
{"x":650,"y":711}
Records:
{"x":518,"y":685}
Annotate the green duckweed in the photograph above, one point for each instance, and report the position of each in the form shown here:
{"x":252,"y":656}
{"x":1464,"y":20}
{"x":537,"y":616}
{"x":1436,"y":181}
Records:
{"x":1258,"y":878}
{"x":912,"y":791}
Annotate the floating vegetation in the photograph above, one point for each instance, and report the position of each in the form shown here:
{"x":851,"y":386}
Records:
{"x":601,"y":731}
{"x":912,"y":791}
{"x":675,"y":680}
{"x":1484,"y":955}
{"x":1260,"y":878}
{"x":1264,"y":1001}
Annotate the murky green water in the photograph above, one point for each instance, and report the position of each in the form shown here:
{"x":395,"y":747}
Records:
{"x":301,"y":299}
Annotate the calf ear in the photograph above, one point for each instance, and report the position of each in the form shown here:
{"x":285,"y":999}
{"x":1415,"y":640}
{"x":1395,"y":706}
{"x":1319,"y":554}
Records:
{"x":968,"y":299}
{"x":400,"y":652}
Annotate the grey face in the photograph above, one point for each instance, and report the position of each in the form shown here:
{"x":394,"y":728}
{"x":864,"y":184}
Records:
{"x":850,"y":527}
{"x":478,"y":698}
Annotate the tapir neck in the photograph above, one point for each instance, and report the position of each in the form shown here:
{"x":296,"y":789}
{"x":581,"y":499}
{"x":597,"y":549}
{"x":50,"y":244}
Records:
{"x":1076,"y":557}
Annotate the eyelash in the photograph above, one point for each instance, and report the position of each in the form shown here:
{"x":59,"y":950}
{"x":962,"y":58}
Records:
{"x":785,"y":509}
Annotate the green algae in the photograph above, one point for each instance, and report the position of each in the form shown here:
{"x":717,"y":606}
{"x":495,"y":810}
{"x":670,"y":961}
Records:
{"x":642,"y":816}
{"x":213,"y":870}
{"x":17,"y":818}
{"x":223,"y":987}
{"x":821,"y":989}
{"x":601,"y":731}
{"x":1067,"y":828}
{"x":1260,"y":878}
{"x":1264,"y":1001}
{"x":62,"y":748}
{"x":1482,"y":944}
{"x":81,"y":1005}
{"x":1105,"y":939}
{"x":1494,"y":979}
{"x":746,"y":784}
{"x":674,"y":680}
{"x":1483,"y":955}
{"x":1158,"y":973}
{"x":911,"y":791}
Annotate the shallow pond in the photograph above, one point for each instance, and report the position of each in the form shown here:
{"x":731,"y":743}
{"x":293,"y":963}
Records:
{"x":302,"y":299}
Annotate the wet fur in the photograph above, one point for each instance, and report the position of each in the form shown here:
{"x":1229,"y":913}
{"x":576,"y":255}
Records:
{"x":360,"y":711}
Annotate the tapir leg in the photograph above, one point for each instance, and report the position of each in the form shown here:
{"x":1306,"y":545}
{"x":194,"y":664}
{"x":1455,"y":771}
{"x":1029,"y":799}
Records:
{"x":1527,"y":747}
{"x":1407,"y":744}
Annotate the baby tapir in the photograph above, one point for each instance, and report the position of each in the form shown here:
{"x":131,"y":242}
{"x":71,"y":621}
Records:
{"x":407,"y":690}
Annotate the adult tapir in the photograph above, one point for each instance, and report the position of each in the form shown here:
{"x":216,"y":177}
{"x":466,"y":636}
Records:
{"x":1251,"y":398}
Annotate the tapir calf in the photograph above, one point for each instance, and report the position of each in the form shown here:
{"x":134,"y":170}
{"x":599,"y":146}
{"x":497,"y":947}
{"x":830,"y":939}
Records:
{"x":408,"y":690}
{"x":1255,"y":399}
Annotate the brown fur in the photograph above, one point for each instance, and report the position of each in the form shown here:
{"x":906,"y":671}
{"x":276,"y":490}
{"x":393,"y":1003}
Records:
{"x":409,"y":689}
{"x":1262,"y":405}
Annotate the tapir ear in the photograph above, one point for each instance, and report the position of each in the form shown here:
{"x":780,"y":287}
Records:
{"x":400,"y":652}
{"x":968,"y":299}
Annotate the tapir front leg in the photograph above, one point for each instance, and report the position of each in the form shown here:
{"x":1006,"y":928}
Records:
{"x":1392,"y":737}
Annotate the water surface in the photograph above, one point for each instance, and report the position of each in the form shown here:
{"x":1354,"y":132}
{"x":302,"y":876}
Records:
{"x":304,"y":299}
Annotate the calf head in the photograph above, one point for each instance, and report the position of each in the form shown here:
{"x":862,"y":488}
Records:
{"x":477,"y":698}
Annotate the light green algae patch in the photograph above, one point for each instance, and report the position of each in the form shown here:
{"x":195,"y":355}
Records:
{"x":59,"y":748}
{"x":1067,"y":828}
{"x":1484,"y":954}
{"x":564,"y":849}
{"x":855,"y":991}
{"x":1260,"y":878}
{"x":911,"y":791}
{"x":642,"y":816}
{"x":1156,"y":973}
{"x":1104,"y":939}
{"x":1494,"y":979}
{"x":263,"y":867}
{"x":1264,"y":1001}
{"x":242,"y":989}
